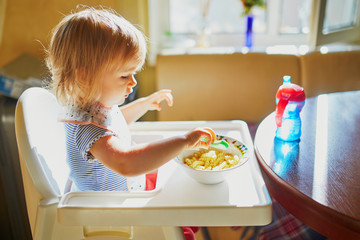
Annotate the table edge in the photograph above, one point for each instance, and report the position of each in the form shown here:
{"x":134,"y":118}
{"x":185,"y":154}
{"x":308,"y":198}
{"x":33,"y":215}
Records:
{"x":331,"y":220}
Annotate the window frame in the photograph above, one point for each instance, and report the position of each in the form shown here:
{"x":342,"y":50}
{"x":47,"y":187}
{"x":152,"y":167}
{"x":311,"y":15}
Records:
{"x":318,"y":38}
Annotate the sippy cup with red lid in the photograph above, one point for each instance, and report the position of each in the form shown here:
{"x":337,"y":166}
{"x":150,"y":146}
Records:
{"x":290,"y":99}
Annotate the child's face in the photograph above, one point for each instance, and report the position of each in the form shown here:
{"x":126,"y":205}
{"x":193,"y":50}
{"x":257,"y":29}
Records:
{"x":117,"y":84}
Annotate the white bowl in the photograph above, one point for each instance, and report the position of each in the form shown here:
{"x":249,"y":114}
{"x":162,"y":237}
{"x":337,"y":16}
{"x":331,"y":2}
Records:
{"x":215,"y":176}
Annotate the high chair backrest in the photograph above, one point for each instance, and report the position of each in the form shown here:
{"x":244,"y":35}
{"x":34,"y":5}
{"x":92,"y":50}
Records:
{"x":42,"y":151}
{"x":41,"y":143}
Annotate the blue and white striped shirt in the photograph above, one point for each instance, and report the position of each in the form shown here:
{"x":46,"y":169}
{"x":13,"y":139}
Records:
{"x":85,"y":172}
{"x":83,"y":129}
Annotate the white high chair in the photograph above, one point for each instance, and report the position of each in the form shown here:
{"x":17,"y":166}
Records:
{"x":41,"y":144}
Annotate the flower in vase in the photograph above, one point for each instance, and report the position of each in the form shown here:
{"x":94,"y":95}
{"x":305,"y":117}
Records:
{"x":249,"y":4}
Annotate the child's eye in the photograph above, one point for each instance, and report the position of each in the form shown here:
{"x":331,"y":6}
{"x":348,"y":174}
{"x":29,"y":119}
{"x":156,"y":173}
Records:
{"x":127,"y":76}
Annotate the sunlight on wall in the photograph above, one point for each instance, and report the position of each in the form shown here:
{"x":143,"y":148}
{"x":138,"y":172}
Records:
{"x":27,"y":24}
{"x":25,"y":27}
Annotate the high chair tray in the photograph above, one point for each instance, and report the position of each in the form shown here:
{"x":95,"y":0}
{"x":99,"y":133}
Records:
{"x":178,"y":200}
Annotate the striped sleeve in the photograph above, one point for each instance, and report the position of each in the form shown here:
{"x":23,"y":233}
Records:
{"x":86,"y":136}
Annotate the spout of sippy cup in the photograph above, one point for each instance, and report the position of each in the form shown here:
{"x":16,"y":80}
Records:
{"x":286,"y":93}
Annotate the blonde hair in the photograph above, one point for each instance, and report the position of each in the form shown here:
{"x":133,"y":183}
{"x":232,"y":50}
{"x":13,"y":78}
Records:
{"x":83,"y":45}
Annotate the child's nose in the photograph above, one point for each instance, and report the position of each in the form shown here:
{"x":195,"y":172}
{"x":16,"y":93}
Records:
{"x":133,"y":81}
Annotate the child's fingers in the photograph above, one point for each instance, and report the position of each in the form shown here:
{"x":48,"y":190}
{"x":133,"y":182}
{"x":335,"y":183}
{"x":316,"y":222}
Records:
{"x":212,"y":133}
{"x":206,"y":137}
{"x":169,"y":99}
{"x":205,"y":144}
{"x":157,"y":106}
{"x":162,"y":95}
{"x":165,"y":91}
{"x":198,"y":138}
{"x":166,"y":95}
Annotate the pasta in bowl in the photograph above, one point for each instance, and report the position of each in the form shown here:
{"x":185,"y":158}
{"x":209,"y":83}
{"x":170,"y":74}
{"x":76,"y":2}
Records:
{"x":210,"y":166}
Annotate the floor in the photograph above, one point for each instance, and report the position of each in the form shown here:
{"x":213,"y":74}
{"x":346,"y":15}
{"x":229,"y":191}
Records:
{"x":221,"y":233}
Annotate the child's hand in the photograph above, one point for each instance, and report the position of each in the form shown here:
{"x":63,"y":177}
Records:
{"x":153,"y":101}
{"x":196,"y":138}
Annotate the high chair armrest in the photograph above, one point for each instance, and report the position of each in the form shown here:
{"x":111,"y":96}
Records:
{"x":141,"y":209}
{"x":105,"y":208}
{"x":49,"y":201}
{"x":97,"y":208}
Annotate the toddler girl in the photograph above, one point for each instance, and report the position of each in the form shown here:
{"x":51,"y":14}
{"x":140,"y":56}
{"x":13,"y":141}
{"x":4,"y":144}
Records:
{"x":93,"y":57}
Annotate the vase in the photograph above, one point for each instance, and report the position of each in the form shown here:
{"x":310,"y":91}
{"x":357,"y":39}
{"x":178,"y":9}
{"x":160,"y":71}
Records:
{"x":249,"y":31}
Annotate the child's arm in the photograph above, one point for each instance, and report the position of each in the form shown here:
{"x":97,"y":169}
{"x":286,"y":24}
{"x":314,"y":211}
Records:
{"x":134,"y":110}
{"x":146,"y":157}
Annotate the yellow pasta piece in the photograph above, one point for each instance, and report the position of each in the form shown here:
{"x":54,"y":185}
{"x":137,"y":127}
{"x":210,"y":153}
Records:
{"x":197,"y":163}
{"x":220,"y":166}
{"x":211,"y":160}
{"x":187,"y":161}
{"x":200,"y":167}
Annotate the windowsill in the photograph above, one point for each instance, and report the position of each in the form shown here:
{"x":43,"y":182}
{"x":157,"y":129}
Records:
{"x":276,"y":49}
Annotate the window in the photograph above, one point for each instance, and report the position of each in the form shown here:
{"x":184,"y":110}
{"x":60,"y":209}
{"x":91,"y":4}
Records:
{"x":335,"y":21}
{"x":343,"y":15}
{"x":219,"y":17}
{"x":184,"y":25}
{"x":294,"y":17}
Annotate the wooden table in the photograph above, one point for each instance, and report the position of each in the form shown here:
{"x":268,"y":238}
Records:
{"x":317,"y":179}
